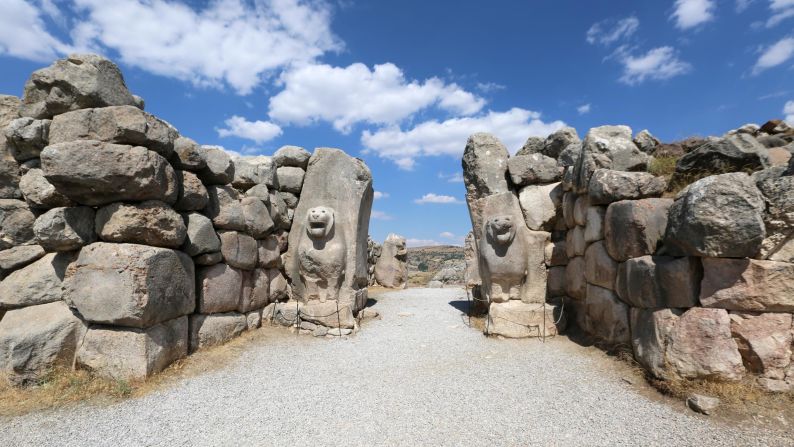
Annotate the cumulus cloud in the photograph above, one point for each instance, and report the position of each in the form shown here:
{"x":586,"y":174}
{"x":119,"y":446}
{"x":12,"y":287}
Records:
{"x":583,"y":109}
{"x":23,"y":32}
{"x":380,"y":215}
{"x":413,"y":242}
{"x":455,"y":177}
{"x":775,"y":54}
{"x":447,"y":235}
{"x":432,"y":138}
{"x":788,"y":110}
{"x":237,"y":43}
{"x":781,"y":10}
{"x":437,"y":198}
{"x":657,"y":64}
{"x":258,"y":131}
{"x":691,"y":13}
{"x":354,"y":94}
{"x":608,"y":32}
{"x":381,"y":195}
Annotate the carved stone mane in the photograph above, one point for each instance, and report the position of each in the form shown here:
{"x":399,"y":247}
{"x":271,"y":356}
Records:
{"x":321,"y":255}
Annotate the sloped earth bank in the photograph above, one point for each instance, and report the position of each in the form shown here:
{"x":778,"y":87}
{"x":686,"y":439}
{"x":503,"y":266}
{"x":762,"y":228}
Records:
{"x":418,"y":376}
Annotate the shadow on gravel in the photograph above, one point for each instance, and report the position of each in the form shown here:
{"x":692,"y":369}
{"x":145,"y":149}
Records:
{"x":461,"y":305}
{"x":371,"y":302}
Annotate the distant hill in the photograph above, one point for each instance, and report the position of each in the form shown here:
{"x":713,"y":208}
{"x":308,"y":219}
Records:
{"x":425,"y":262}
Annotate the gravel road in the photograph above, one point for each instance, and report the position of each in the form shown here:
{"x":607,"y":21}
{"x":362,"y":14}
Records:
{"x":419,"y":376}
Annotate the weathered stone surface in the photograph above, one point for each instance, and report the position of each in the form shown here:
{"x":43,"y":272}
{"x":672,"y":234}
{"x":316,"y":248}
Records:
{"x":390,"y":270}
{"x":600,"y":269}
{"x":193,"y":195}
{"x":187,"y":155}
{"x":77,"y":82}
{"x":208,"y":258}
{"x":238,"y":249}
{"x":9,"y":174}
{"x":261,"y":168}
{"x":634,"y":228}
{"x":200,"y":236}
{"x":16,"y":223}
{"x":575,"y":283}
{"x":533,"y":169}
{"x":533,"y":145}
{"x":660,"y":281}
{"x":338,"y":266}
{"x":700,"y":346}
{"x":218,"y":288}
{"x":484,"y":166}
{"x":119,"y":124}
{"x":40,"y":193}
{"x":253,"y":319}
{"x":290,"y":199}
{"x":702,"y":404}
{"x":261,"y":192}
{"x":607,"y":316}
{"x":607,"y":147}
{"x":257,"y":217}
{"x":594,"y":230}
{"x":37,"y":283}
{"x":560,"y":140}
{"x":17,"y":257}
{"x":65,"y":229}
{"x":279,"y":287}
{"x":269,"y":255}
{"x":735,"y":153}
{"x":26,"y":166}
{"x":556,"y":282}
{"x":764,"y":341}
{"x":556,"y":254}
{"x":35,"y":339}
{"x":326,"y":314}
{"x":580,"y":210}
{"x":290,"y":179}
{"x":224,"y":208}
{"x":650,"y":332}
{"x":646,"y":141}
{"x":776,"y":190}
{"x":256,"y":290}
{"x":575,"y":244}
{"x":26,"y":137}
{"x":211,"y":330}
{"x":219,"y":169}
{"x":133,"y":354}
{"x":747,"y":285}
{"x":130,"y":285}
{"x":607,"y":186}
{"x":96,"y":173}
{"x":719,"y":216}
{"x":292,"y":156}
{"x":9,"y":109}
{"x":516,"y":319}
{"x":279,"y":212}
{"x":540,"y":203}
{"x":149,"y":223}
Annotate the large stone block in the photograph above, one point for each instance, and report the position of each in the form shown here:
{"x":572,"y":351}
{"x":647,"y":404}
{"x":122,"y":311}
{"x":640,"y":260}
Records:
{"x":292,"y":156}
{"x":290,"y":179}
{"x":660,"y":281}
{"x":765,"y":342}
{"x":224,"y":208}
{"x":607,"y":316}
{"x":484,"y":166}
{"x":77,"y":82}
{"x":26,"y":138}
{"x":533,"y":169}
{"x":607,"y":147}
{"x":255,"y":292}
{"x":594,"y":230}
{"x":600,"y":269}
{"x":149,"y":223}
{"x":776,"y":189}
{"x":200,"y":236}
{"x":212,"y":330}
{"x":238,"y":249}
{"x":258,"y":222}
{"x":516,"y":319}
{"x":40,"y":193}
{"x":740,"y":152}
{"x":192,"y":193}
{"x":390,"y":269}
{"x":18,"y":257}
{"x":116,"y":124}
{"x":718,"y":216}
{"x":607,"y":186}
{"x":540,"y":203}
{"x":575,"y":283}
{"x":747,"y":285}
{"x":634,"y":228}
{"x":219,"y":168}
{"x":133,"y":354}
{"x":35,"y":339}
{"x":130,"y":285}
{"x":96,"y":173}
{"x":575,"y":244}
{"x":568,"y":205}
{"x":556,"y":282}
{"x":218,"y":288}
{"x":269,"y":255}
{"x":701,"y":347}
{"x":16,"y":223}
{"x":188,"y":155}
{"x":65,"y":229}
{"x":650,"y":332}
{"x":37,"y":283}
{"x":328,"y":314}
{"x":556,"y":253}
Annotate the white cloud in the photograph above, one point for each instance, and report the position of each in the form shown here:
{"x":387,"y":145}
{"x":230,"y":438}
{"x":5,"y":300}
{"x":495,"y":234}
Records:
{"x":455,"y":177}
{"x":348,"y":95}
{"x":691,"y":13}
{"x":381,"y":195}
{"x":788,"y":110}
{"x":23,"y":32}
{"x":258,"y":131}
{"x":231,"y":42}
{"x":489,"y":87}
{"x":437,"y":198}
{"x":412,"y":242}
{"x":583,"y":109}
{"x":742,"y":5}
{"x":657,"y":64}
{"x":380,"y":215}
{"x":447,"y":235}
{"x":781,"y":10}
{"x":775,"y":54}
{"x":608,"y":32}
{"x":432,"y":138}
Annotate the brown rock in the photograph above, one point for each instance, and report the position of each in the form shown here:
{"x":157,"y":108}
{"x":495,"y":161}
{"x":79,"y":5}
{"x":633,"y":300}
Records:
{"x":747,"y":285}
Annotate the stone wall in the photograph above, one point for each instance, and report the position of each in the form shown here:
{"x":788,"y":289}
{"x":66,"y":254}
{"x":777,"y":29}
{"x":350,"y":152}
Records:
{"x":698,"y":283}
{"x":124,"y":245}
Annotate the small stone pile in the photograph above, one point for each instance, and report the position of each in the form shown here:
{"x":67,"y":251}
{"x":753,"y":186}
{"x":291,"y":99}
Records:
{"x":124,"y":245}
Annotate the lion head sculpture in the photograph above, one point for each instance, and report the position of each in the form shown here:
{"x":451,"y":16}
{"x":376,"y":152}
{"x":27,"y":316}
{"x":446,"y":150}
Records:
{"x":500,"y":230}
{"x":320,"y":222}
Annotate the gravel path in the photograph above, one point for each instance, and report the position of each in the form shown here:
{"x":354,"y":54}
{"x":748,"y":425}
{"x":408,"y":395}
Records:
{"x":419,"y":376}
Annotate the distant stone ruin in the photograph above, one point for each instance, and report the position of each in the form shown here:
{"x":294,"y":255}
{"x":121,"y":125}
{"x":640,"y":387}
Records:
{"x":124,"y":246}
{"x":699,"y":282}
{"x":390,"y":269}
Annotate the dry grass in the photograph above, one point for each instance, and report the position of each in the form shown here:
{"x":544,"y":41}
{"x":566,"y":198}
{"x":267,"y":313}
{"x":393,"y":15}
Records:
{"x":420,"y":279}
{"x":663,"y":166}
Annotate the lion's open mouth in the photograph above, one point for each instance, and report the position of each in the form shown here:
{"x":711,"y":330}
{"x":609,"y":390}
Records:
{"x":316,"y":225}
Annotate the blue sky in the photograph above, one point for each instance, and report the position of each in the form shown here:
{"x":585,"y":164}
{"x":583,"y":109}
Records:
{"x":402,"y":84}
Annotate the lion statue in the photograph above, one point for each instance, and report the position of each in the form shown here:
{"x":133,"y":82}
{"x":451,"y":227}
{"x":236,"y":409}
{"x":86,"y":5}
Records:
{"x":321,"y":256}
{"x":504,"y":259}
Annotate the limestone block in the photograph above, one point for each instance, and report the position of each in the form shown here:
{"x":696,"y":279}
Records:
{"x":218,"y":288}
{"x":65,"y":229}
{"x":238,"y":249}
{"x":516,"y":319}
{"x":200,"y":236}
{"x":600,"y":269}
{"x":16,"y":223}
{"x":607,"y":186}
{"x":660,"y":281}
{"x":634,"y":228}
{"x":540,"y":203}
{"x":747,"y":285}
{"x":764,"y":341}
{"x":193,"y":194}
{"x":38,"y":283}
{"x":607,"y":316}
{"x":149,"y":223}
{"x":216,"y":329}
